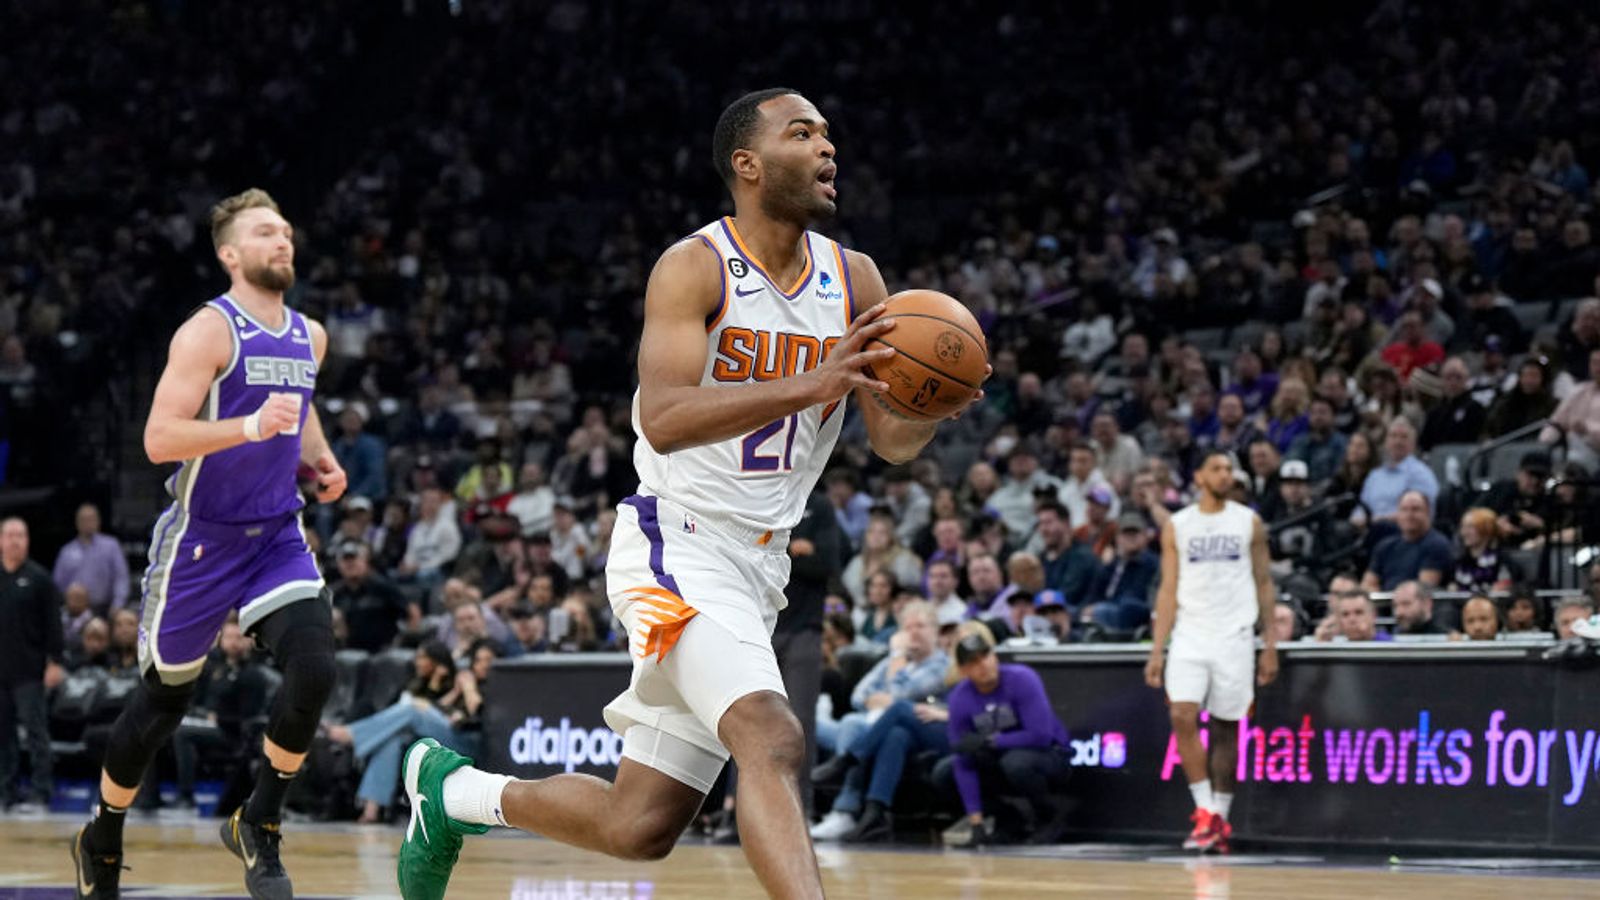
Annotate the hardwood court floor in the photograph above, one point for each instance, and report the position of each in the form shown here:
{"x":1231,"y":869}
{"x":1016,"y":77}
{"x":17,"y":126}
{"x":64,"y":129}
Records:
{"x":183,"y":859}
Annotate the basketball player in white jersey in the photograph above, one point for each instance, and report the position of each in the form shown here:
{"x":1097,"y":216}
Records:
{"x":753,"y":338}
{"x":1215,"y":590}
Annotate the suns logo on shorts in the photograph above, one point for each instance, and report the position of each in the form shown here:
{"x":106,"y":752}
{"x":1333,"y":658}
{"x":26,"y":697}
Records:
{"x":662,"y":617}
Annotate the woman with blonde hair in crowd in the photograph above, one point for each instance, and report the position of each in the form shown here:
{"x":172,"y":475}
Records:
{"x":1286,"y":417}
{"x":880,"y":550}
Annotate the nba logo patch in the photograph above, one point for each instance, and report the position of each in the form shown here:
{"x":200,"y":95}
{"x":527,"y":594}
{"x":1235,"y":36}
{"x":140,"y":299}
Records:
{"x":688,"y":525}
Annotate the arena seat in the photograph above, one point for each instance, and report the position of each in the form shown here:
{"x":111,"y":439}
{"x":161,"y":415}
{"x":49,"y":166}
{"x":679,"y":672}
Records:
{"x":856,"y":661}
{"x":386,"y":675}
{"x":1504,"y":461}
{"x":1531,"y":315}
{"x":352,"y":664}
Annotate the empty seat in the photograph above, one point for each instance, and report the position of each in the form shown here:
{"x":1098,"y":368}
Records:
{"x":1504,"y":461}
{"x":386,"y":675}
{"x":351,"y":666}
{"x":1207,"y":338}
{"x":1439,"y":459}
{"x":1531,"y":315}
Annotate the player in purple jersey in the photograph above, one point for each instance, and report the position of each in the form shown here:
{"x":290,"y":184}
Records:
{"x":233,"y":408}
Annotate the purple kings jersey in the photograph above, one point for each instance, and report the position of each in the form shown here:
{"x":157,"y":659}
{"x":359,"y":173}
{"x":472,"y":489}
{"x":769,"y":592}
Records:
{"x":252,"y":482}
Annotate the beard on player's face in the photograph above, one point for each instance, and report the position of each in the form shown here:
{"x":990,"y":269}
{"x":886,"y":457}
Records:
{"x":790,"y":194}
{"x":269,"y":277}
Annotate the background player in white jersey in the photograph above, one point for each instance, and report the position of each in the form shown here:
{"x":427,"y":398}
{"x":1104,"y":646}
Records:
{"x":1215,"y":590}
{"x":751,"y":344}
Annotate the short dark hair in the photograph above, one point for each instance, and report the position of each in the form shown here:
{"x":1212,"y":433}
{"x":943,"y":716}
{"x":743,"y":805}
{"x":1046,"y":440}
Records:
{"x":1057,"y":507}
{"x":737,"y":126}
{"x":1215,"y":451}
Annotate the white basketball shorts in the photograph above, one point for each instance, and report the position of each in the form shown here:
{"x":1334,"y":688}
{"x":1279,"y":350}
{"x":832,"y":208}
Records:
{"x":699,"y":599}
{"x":1216,"y":672}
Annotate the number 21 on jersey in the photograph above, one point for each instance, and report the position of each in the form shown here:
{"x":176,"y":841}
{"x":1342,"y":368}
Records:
{"x":759,"y":449}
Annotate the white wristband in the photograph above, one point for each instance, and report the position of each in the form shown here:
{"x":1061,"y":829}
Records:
{"x":252,"y":427}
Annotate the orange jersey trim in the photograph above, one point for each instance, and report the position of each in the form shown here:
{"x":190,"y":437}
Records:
{"x":799,"y":281}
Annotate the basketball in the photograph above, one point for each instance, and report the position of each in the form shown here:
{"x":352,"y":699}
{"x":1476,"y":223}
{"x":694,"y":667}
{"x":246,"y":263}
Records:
{"x":939,"y":360}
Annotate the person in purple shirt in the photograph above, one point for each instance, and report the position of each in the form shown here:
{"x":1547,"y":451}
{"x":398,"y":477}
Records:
{"x":1008,"y":743}
{"x":1255,"y":387}
{"x":95,"y":561}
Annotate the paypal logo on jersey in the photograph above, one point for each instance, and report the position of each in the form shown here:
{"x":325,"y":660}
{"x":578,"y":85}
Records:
{"x":1215,"y":548}
{"x":276,"y":371}
{"x":826,"y":289}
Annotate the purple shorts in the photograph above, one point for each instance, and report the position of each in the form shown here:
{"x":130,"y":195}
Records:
{"x":201,"y":571}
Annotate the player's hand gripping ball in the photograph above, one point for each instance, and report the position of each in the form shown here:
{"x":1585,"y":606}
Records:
{"x":940,"y":361}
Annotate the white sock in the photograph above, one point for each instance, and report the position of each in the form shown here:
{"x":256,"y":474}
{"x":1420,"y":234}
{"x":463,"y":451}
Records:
{"x":473,"y":796}
{"x":1200,"y":790}
{"x":1221,"y":803}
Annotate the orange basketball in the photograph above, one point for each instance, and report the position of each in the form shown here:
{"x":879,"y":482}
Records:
{"x":939,"y":360}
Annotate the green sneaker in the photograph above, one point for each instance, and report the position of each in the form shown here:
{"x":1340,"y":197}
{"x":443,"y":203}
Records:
{"x":433,"y":839}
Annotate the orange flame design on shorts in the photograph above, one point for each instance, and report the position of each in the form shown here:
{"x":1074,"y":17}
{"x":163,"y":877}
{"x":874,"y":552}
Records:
{"x":661,"y":620}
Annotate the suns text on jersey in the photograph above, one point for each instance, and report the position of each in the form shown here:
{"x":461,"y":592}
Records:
{"x":745,"y":353}
{"x":1215,"y":548}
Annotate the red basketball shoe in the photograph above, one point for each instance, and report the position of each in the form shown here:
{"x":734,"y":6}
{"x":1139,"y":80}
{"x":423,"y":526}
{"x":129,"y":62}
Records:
{"x":1204,"y":833}
{"x":1221,"y":836}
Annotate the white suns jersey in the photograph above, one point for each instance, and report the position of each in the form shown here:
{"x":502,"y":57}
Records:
{"x":1216,"y":581}
{"x":759,"y":332}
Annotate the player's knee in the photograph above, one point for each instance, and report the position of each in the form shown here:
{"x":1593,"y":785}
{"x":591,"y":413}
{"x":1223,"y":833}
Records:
{"x":305,"y":653}
{"x":309,"y":680}
{"x":1185,"y":718}
{"x":772,"y":742}
{"x":649,"y":836}
{"x":763,"y":734}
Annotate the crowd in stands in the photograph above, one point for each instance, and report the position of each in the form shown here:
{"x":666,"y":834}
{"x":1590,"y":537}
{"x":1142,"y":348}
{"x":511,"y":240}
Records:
{"x":1342,"y":259}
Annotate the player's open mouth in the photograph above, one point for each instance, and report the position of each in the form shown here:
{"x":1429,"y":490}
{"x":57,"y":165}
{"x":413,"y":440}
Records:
{"x":825,"y":178}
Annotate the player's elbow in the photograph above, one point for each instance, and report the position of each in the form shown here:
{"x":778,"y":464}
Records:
{"x":156,"y":446}
{"x":896,"y":455}
{"x":662,"y":439}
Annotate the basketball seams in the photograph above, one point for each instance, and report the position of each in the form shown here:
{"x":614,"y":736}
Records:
{"x":934,"y":369}
{"x":912,"y":315}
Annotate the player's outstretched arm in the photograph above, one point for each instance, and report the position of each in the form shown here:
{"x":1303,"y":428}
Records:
{"x":1166,"y":606}
{"x":200,"y":350}
{"x":675,"y":410}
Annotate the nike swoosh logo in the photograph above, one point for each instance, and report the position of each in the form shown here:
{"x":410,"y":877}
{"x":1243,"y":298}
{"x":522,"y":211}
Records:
{"x":420,"y":820}
{"x":247,"y":335}
{"x":85,"y":888}
{"x":741,"y":292}
{"x":249,"y":857}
